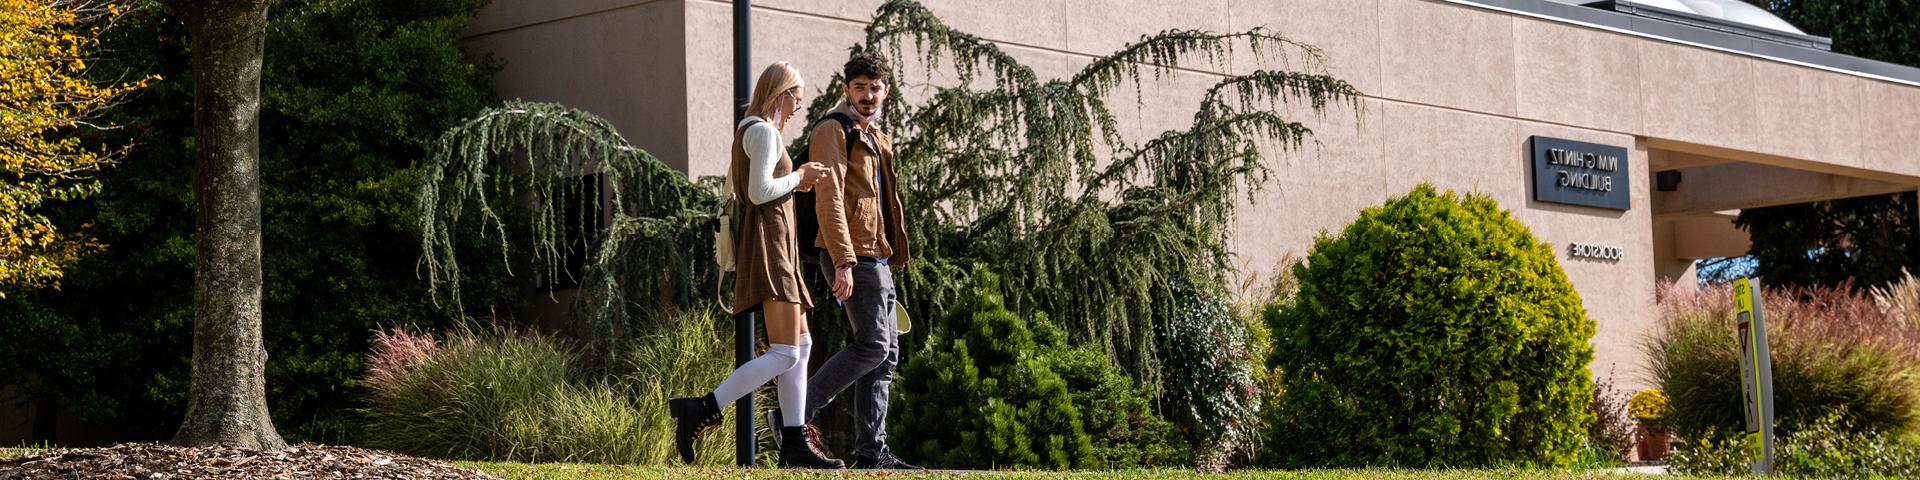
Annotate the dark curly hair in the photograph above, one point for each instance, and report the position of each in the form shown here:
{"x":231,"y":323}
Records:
{"x":866,"y":64}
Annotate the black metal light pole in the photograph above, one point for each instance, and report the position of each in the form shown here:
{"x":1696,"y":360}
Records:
{"x":743,"y":323}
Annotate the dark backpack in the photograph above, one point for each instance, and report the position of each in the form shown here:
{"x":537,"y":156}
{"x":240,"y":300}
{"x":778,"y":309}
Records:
{"x":806,"y":222}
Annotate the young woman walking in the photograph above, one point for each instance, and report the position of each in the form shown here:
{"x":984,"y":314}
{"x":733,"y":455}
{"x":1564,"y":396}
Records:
{"x":767,"y":272}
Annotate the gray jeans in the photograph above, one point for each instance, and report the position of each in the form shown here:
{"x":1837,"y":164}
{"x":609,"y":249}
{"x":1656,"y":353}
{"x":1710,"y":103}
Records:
{"x":868,"y":361}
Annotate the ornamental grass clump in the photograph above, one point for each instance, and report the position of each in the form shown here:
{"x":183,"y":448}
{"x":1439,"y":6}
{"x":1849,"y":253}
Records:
{"x":1901,"y":299}
{"x":688,"y":359}
{"x":489,"y":393}
{"x":1833,"y":352}
{"x":472,"y":397}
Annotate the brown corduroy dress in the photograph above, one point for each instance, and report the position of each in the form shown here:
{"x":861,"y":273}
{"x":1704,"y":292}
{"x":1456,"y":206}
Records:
{"x":765,"y":248}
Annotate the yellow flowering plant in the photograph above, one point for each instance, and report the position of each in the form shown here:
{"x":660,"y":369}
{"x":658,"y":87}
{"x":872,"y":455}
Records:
{"x":1648,"y":406}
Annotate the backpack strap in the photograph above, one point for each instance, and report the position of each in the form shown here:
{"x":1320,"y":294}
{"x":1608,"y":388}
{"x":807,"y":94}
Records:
{"x":737,"y":131}
{"x":846,"y":129}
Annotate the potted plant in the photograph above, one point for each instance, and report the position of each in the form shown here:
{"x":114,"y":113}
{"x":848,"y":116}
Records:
{"x":1651,"y":439}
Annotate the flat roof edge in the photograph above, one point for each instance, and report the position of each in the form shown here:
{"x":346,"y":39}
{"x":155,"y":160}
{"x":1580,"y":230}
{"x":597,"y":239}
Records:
{"x":1705,"y":38}
{"x":1632,"y":7}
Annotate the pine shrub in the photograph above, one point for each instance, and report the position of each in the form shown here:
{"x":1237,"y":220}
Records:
{"x":1117,"y":417}
{"x":1435,"y":330}
{"x":991,"y":390}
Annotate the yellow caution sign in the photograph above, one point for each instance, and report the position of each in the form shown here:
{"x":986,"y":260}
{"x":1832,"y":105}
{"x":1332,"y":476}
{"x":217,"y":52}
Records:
{"x":1742,"y":297}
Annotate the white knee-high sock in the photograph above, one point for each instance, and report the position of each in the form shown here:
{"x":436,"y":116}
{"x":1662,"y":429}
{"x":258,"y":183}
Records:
{"x":793,"y":386}
{"x":777,"y":360}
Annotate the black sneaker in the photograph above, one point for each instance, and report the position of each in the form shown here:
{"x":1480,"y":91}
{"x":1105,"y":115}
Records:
{"x":884,"y":461}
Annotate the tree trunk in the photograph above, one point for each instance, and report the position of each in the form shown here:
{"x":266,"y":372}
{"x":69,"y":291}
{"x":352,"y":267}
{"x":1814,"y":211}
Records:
{"x":226,"y":402}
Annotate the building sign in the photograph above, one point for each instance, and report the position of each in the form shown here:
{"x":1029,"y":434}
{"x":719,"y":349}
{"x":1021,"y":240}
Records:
{"x":1580,"y":173}
{"x":1595,"y":252}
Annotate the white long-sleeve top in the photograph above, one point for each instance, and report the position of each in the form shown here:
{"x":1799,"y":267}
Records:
{"x":762,"y":143}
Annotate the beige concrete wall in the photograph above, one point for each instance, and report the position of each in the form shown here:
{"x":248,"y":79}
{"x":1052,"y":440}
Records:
{"x":624,"y":60}
{"x":1459,"y":86}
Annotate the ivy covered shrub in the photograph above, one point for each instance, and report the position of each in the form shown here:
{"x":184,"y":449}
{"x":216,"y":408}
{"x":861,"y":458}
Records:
{"x":1208,"y":387}
{"x":992,"y":390}
{"x":1434,"y":331}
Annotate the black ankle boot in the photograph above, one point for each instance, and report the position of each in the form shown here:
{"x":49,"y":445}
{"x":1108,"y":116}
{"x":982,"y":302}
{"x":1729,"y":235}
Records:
{"x":797,"y":452}
{"x":696,"y":416}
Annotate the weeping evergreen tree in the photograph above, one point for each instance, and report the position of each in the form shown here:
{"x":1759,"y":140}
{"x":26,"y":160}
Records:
{"x":541,"y":180}
{"x":1030,"y":177}
{"x":1033,"y":177}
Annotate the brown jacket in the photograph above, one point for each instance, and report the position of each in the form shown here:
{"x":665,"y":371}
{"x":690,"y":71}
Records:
{"x":847,"y":201}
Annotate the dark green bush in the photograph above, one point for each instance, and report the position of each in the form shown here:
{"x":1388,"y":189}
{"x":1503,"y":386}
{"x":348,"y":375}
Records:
{"x":1434,"y":331}
{"x":991,"y":390}
{"x":1833,"y":352}
{"x":352,"y":95}
{"x":1207,"y":385}
{"x":1117,"y":417}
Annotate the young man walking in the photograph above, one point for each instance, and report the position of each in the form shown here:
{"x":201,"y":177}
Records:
{"x":864,"y":235}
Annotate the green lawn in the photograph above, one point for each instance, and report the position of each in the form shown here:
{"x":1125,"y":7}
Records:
{"x":563,"y":471}
{"x":511,"y":471}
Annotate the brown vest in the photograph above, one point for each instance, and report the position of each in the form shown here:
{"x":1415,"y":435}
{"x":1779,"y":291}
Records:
{"x":766,"y":253}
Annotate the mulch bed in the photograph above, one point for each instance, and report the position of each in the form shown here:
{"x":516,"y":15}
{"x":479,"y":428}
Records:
{"x":157,"y":461}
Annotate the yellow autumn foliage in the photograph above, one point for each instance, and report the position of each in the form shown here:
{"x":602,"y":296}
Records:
{"x":46,"y":97}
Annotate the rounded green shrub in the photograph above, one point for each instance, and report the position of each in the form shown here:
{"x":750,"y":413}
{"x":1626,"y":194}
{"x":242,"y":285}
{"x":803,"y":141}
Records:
{"x":1434,"y":331}
{"x":992,"y":390}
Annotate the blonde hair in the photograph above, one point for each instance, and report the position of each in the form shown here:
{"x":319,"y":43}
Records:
{"x":776,"y":79}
